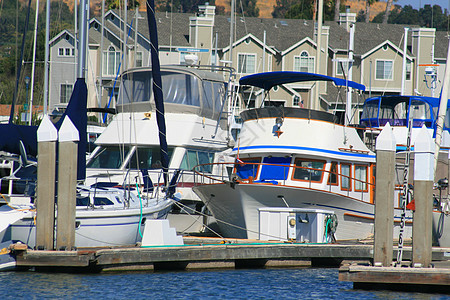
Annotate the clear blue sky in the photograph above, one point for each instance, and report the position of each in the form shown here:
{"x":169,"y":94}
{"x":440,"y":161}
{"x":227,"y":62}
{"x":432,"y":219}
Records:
{"x":421,"y":3}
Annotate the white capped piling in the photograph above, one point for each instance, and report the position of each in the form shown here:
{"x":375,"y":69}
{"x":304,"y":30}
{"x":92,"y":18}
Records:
{"x":67,"y":185}
{"x":423,"y":189}
{"x":45,"y":202}
{"x":384,"y":197}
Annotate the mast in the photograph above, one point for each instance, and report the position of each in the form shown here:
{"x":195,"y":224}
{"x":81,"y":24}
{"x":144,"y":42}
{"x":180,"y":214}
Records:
{"x":34,"y":61}
{"x":315,"y":101}
{"x":46,"y":58}
{"x":157,"y":88}
{"x":84,"y":6}
{"x":100,"y":79}
{"x":233,"y":4}
{"x":348,"y":106}
{"x":405,"y":42}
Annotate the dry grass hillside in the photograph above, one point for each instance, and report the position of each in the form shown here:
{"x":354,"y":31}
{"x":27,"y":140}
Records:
{"x":266,"y":7}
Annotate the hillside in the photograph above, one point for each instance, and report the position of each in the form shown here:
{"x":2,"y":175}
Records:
{"x":266,"y":7}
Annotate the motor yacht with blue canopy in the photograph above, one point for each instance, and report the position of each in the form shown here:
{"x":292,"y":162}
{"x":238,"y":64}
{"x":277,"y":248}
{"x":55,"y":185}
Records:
{"x":289,"y":158}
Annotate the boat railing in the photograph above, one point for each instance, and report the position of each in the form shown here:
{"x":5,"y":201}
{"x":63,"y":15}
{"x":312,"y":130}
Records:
{"x":227,"y":174}
{"x":17,"y":187}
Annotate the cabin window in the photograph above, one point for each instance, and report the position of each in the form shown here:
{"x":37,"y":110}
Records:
{"x":83,"y":201}
{"x":111,"y":61}
{"x":345,"y":177}
{"x":333,"y":175}
{"x":250,"y":168}
{"x":304,"y":63}
{"x":246,"y":63}
{"x":108,"y":157}
{"x":420,"y":110}
{"x":98,"y":201}
{"x":148,"y":158}
{"x":178,"y":88}
{"x":308,"y":170}
{"x":193,"y":158}
{"x":360,"y":178}
{"x":384,"y":69}
{"x":277,"y":170}
{"x":66,"y":93}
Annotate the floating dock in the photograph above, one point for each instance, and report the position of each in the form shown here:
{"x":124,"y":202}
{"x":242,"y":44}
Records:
{"x":428,"y":280}
{"x":200,"y":253}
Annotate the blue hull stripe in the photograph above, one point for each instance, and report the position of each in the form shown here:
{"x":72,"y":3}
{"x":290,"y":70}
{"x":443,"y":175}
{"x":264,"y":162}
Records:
{"x":307,"y":149}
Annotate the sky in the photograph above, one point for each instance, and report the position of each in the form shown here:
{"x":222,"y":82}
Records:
{"x":421,"y":3}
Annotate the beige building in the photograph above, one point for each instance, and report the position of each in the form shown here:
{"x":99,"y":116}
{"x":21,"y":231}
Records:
{"x":259,"y":45}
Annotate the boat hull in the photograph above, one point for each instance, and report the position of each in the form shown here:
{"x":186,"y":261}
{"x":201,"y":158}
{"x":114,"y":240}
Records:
{"x":235,"y":207}
{"x":94,"y":228}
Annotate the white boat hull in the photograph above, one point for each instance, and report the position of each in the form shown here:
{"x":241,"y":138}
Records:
{"x":94,"y":228}
{"x":236,"y":208}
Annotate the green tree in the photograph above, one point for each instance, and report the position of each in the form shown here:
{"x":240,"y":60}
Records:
{"x":249,"y":8}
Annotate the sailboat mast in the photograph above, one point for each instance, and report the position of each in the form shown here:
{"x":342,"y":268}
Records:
{"x":348,"y":106}
{"x":315,"y":101}
{"x":84,"y":6}
{"x":233,"y":4}
{"x":46,"y":54}
{"x":34,"y":61}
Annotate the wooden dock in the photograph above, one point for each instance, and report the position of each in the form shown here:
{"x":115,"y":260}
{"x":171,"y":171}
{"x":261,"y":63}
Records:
{"x":204,"y":254}
{"x":428,"y":280}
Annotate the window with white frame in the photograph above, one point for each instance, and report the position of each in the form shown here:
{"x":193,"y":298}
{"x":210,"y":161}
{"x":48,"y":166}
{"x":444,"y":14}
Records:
{"x":111,"y":61}
{"x":138,"y":59}
{"x":65,"y":93}
{"x":246,"y":63}
{"x":304,"y":63}
{"x":384,"y":69}
{"x":296,"y":101}
{"x":342,"y":68}
{"x":66,"y":51}
{"x":408,"y":70}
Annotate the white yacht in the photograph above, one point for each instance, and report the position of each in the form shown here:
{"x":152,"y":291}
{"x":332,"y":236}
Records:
{"x":296,"y":158}
{"x":196,"y":131}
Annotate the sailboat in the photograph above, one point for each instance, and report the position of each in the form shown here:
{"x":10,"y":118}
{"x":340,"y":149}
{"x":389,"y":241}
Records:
{"x":105,"y":215}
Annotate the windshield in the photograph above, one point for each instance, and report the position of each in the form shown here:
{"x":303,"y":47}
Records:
{"x":147,"y":158}
{"x":110,"y":157}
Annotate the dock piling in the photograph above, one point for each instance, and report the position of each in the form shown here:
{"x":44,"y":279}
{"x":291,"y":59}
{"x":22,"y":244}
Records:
{"x":384,"y":197}
{"x":67,"y":185}
{"x":423,"y":188}
{"x":45,"y":202}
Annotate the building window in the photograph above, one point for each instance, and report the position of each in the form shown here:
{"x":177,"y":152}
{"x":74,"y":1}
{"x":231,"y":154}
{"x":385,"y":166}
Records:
{"x":342,"y":68}
{"x":384,"y":69}
{"x":61,"y":51}
{"x":361,"y":178}
{"x":111,"y":61}
{"x":345,"y":177}
{"x":66,"y":92}
{"x":408,"y":70}
{"x":296,"y":101}
{"x":67,"y":51}
{"x":246,"y":63}
{"x":139,"y":59}
{"x":304,"y":63}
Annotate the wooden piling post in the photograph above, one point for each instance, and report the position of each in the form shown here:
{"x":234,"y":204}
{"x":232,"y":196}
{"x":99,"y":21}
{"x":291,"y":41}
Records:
{"x":67,"y":185}
{"x":384,"y":197}
{"x":423,"y":189}
{"x":45,"y":202}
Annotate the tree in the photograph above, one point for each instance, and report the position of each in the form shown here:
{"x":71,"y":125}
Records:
{"x":249,"y":8}
{"x":387,"y":11}
{"x":368,"y":4}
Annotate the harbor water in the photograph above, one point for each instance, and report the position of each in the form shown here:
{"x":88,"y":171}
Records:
{"x":308,"y":283}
